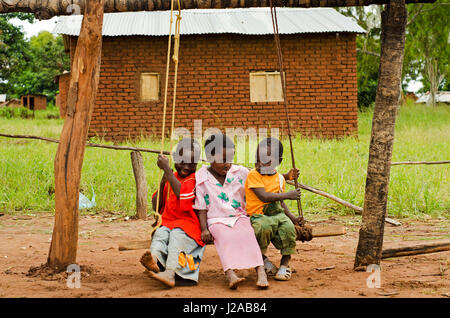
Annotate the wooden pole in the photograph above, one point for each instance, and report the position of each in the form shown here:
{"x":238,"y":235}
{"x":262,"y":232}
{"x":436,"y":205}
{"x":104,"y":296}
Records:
{"x":141,"y":185}
{"x":370,"y":243}
{"x":70,"y":153}
{"x":417,"y":249}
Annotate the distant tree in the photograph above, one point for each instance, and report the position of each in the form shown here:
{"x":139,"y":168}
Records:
{"x":427,"y":53}
{"x":14,"y":55}
{"x":368,"y":51}
{"x":47,"y":60}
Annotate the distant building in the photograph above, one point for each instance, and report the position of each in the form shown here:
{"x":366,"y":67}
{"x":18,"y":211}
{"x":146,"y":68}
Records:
{"x":2,"y":98}
{"x":15,"y":102}
{"x":441,"y":97}
{"x":34,"y":101}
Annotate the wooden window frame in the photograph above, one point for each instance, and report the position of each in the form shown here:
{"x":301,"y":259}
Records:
{"x":266,"y":75}
{"x":141,"y":78}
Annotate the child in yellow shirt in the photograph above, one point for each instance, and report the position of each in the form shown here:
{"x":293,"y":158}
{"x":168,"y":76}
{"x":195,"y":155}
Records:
{"x":270,"y":217}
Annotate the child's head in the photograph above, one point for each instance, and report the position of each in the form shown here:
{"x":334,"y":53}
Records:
{"x":269,"y":155}
{"x":186,"y":156}
{"x":219,"y":150}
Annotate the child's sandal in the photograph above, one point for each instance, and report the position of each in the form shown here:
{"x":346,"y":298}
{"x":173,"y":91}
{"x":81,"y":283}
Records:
{"x":284,"y":273}
{"x":270,"y":269}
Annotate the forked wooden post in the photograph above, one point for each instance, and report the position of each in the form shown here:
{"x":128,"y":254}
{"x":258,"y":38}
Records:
{"x":70,"y":153}
{"x":141,"y":184}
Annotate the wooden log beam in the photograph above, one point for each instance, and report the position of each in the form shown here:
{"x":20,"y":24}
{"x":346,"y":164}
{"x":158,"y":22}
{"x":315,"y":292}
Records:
{"x":417,"y":249}
{"x":70,"y":153}
{"x":45,"y":9}
{"x":87,"y":145}
{"x":141,"y":184}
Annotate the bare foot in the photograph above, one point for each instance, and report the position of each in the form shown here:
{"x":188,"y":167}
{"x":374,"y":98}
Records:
{"x":233,"y":279}
{"x":148,"y":261}
{"x":262,"y":281}
{"x":167,"y":277}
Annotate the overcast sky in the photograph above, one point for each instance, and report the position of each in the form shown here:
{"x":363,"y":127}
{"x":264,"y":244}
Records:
{"x":32,"y":29}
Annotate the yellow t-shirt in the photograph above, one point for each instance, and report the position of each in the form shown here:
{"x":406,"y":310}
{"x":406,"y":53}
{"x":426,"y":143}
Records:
{"x":271,"y":183}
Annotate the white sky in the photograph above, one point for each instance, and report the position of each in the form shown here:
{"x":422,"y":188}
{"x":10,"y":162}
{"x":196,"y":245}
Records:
{"x":32,"y":29}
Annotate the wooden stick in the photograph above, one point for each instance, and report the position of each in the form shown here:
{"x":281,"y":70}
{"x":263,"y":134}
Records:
{"x":168,"y":152}
{"x":87,"y":145}
{"x":318,"y":231}
{"x":134,"y":245}
{"x":339,"y":200}
{"x":417,"y":249}
{"x":141,"y":184}
{"x":331,"y":230}
{"x":420,"y":162}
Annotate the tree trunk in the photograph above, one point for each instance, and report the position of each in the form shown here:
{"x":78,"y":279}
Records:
{"x":393,"y":22}
{"x":70,"y":153}
{"x":141,"y":185}
{"x":49,"y":8}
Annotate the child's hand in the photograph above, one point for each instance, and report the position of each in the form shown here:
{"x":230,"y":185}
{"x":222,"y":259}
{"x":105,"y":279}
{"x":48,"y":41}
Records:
{"x":163,"y":163}
{"x":207,"y":237}
{"x":293,"y":174}
{"x":294,"y":194}
{"x":299,"y":221}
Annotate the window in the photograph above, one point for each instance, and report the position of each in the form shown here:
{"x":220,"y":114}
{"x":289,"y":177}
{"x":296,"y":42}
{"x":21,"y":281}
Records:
{"x":149,"y":86}
{"x":265,"y":87}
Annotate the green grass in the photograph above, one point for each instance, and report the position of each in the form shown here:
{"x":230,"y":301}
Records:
{"x":335,"y":166}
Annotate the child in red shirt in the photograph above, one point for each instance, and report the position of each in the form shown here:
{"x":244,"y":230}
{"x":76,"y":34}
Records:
{"x":177,"y":248}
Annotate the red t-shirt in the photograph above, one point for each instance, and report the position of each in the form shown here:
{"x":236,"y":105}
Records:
{"x":178,"y":213}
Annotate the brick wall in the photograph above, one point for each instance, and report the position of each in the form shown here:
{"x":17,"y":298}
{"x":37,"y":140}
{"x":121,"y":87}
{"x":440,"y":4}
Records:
{"x":213,"y":78}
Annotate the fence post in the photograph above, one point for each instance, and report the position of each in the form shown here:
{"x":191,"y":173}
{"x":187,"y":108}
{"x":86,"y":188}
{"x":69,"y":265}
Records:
{"x":141,"y":184}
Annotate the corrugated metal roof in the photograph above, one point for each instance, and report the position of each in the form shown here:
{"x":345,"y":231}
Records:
{"x":250,"y":21}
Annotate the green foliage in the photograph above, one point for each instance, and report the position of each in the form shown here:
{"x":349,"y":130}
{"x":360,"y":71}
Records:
{"x":29,"y":66}
{"x":367,"y":64}
{"x":13,"y":49}
{"x":15,"y":112}
{"x":47,"y":60}
{"x":427,"y":53}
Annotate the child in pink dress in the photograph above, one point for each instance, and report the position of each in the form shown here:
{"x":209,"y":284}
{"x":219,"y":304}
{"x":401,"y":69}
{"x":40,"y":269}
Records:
{"x":220,"y":190}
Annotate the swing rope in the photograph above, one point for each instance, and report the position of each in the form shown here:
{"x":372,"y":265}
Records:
{"x":175,"y":60}
{"x":273,"y":14}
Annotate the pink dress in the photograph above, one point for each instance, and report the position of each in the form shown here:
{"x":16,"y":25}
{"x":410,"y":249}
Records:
{"x":228,"y":222}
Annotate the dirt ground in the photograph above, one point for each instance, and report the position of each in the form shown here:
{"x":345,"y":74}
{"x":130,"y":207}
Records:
{"x":323,"y":267}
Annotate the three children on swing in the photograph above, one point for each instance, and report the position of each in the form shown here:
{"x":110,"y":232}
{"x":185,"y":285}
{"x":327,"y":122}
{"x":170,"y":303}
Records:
{"x":238,"y":210}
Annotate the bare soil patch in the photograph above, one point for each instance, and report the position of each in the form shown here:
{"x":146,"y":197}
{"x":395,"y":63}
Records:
{"x":323,"y":267}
